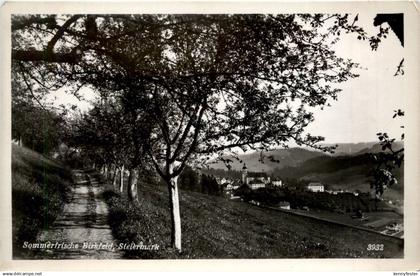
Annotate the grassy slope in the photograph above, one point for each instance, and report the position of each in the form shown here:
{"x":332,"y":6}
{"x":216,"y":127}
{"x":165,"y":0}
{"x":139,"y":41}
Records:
{"x":39,"y":189}
{"x":214,"y":227}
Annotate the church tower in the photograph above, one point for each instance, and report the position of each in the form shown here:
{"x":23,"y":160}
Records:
{"x":244,"y":173}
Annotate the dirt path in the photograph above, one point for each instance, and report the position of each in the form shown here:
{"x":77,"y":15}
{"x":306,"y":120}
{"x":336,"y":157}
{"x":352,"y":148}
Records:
{"x":82,"y":227}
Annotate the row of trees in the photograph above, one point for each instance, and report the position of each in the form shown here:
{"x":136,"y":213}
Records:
{"x":203,"y":183}
{"x":108,"y":139}
{"x":342,"y":202}
{"x":177,"y":89}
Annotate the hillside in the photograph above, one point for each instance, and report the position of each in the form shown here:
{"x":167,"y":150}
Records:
{"x":350,"y":148}
{"x":215,"y":227}
{"x":40,"y":187}
{"x":278,"y":158}
{"x":378,"y":148}
{"x":341,"y":172}
{"x":346,"y":169}
{"x":359,"y":148}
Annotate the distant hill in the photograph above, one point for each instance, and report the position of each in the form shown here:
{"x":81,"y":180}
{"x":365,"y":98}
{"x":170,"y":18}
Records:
{"x":268,"y":161}
{"x":346,"y":169}
{"x":280,"y":158}
{"x":359,"y":148}
{"x":377,"y":148}
{"x":341,"y":172}
{"x":350,"y":148}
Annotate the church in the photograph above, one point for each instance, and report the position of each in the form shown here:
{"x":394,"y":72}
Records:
{"x":254,"y":180}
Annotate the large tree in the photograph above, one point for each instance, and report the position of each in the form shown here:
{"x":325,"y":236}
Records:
{"x":207,"y":83}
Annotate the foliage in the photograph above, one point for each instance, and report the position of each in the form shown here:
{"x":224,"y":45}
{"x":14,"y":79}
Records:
{"x":387,"y":162}
{"x":209,"y":185}
{"x":204,"y":183}
{"x":298,"y":197}
{"x":325,"y":164}
{"x":264,"y":83}
{"x":269,"y":196}
{"x":221,"y":173}
{"x":296,"y":184}
{"x":35,"y":126}
{"x":346,"y":202}
{"x":189,"y":180}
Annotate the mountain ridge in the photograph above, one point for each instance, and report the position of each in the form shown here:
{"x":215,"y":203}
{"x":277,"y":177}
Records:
{"x":267,"y":161}
{"x":291,"y":157}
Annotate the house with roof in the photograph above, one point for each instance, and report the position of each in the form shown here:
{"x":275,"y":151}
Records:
{"x":254,"y":180}
{"x":231,"y":185}
{"x":222,"y":181}
{"x":315,"y":187}
{"x":284,"y":205}
{"x":276,"y":182}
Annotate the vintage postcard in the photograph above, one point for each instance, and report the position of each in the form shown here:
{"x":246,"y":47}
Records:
{"x":256,"y":133}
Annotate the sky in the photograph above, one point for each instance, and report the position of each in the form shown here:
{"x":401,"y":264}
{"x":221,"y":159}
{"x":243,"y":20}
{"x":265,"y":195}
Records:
{"x":365,"y":105}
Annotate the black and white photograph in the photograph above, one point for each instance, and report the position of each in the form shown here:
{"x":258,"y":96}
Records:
{"x":270,"y":135}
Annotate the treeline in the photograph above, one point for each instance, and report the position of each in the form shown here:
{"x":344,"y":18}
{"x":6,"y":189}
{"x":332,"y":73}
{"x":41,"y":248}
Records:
{"x":231,"y":174}
{"x":35,"y":127}
{"x":364,"y":164}
{"x":192,"y":181}
{"x":342,"y":202}
{"x":326,"y":164}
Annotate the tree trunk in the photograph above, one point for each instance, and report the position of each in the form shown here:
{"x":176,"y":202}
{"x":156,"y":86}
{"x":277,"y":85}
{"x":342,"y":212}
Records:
{"x":106,"y":172}
{"x":114,"y":177}
{"x":132,"y":186}
{"x":109,"y":175}
{"x":122,"y":179}
{"x":175,"y":213}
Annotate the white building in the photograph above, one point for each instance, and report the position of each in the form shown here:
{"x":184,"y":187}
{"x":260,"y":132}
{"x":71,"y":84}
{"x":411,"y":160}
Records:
{"x":254,"y":180}
{"x":255,"y":184}
{"x":229,"y":187}
{"x":277,"y":183}
{"x":315,"y":187}
{"x":284,"y":205}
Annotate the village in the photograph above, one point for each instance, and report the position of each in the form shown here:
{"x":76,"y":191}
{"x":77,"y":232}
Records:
{"x":383,"y":220}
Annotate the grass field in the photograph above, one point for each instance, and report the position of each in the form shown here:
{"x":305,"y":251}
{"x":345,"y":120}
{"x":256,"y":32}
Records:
{"x":214,"y":227}
{"x":40,"y":186}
